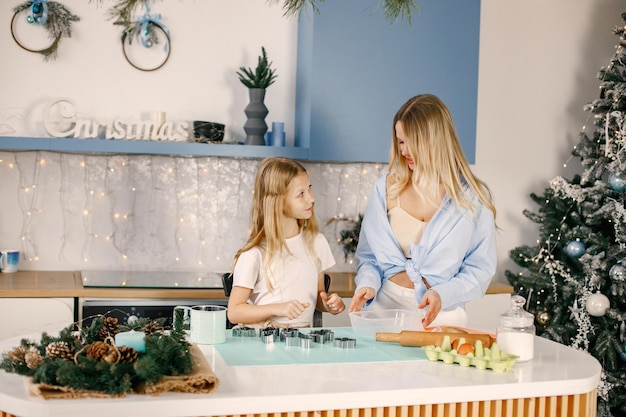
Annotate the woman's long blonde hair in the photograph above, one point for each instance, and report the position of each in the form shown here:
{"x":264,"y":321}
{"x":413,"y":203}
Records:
{"x":272,"y":181}
{"x":434,"y":146}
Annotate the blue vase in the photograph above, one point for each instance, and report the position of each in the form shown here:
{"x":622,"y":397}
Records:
{"x":255,"y":127}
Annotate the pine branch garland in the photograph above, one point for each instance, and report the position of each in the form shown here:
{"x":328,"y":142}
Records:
{"x":348,"y":238}
{"x":394,"y":9}
{"x":98,"y":365}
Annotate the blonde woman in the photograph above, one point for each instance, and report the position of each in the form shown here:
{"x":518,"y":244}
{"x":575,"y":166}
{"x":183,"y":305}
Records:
{"x":278,"y":275}
{"x":428,"y":237}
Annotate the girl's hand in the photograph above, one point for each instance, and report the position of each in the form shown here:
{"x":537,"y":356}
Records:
{"x":433,"y":301}
{"x":333,"y":304}
{"x":359,"y":299}
{"x":291,"y":309}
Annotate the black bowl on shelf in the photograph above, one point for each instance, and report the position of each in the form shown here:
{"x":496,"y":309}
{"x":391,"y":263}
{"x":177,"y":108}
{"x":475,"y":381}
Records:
{"x":208,"y":131}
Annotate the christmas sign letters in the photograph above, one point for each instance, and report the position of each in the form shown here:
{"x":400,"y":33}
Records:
{"x":62,"y":121}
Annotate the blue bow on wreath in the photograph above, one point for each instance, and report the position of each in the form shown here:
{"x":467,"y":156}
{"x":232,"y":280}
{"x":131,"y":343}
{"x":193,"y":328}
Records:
{"x":145,"y":21}
{"x":38,"y":12}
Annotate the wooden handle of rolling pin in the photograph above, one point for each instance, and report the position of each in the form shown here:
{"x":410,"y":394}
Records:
{"x":417,"y":338}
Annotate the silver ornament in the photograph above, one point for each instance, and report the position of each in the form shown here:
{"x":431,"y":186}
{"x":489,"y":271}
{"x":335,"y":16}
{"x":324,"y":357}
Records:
{"x":617,"y":271}
{"x":597,"y":304}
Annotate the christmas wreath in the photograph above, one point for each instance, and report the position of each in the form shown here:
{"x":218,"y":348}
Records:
{"x":53,"y":16}
{"x":148,"y":29}
{"x":87,"y":362}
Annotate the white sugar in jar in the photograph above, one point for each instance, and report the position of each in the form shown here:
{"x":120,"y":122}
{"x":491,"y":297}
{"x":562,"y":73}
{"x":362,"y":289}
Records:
{"x":516,"y":332}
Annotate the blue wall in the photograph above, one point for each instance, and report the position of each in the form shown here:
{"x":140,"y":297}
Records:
{"x":355,"y":69}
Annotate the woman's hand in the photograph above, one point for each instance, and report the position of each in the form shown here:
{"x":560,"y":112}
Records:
{"x":333,"y":304}
{"x":362,"y":296}
{"x":433,"y":301}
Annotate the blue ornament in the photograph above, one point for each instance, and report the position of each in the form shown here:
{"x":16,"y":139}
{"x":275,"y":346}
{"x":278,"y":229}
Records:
{"x":575,"y":249}
{"x":617,"y":183}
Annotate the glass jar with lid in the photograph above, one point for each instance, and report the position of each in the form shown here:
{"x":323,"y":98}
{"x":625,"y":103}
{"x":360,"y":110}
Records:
{"x":516,"y":331}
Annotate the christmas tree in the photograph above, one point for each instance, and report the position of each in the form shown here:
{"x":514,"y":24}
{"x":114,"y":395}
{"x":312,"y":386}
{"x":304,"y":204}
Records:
{"x":574,"y":279}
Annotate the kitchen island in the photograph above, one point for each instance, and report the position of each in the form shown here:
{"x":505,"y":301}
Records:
{"x":560,"y":381}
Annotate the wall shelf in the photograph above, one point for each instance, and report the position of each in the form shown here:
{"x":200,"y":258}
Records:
{"x":118,"y":146}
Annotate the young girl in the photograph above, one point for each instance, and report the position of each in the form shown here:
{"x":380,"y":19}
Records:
{"x":278,"y":276}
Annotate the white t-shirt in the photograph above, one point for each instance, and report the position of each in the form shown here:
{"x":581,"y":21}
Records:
{"x":293,"y":277}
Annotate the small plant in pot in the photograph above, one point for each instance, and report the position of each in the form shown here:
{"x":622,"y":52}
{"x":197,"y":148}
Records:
{"x":257,"y":81}
{"x":262,"y":77}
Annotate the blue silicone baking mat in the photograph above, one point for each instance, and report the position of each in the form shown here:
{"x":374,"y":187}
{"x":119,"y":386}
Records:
{"x":253,"y":351}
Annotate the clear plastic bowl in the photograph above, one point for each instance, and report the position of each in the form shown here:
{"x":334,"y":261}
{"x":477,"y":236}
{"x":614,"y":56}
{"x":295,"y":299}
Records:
{"x":369,"y":323}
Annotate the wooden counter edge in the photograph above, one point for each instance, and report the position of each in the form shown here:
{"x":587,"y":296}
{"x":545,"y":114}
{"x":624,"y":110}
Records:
{"x":69,"y":284}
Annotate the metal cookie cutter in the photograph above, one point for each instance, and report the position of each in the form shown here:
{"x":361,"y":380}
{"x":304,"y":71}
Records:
{"x":345,"y":343}
{"x":292,"y":341}
{"x":244,"y":332}
{"x":267,"y":334}
{"x":322,"y":335}
{"x":305,"y":341}
{"x":287,"y":333}
{"x":317,"y":338}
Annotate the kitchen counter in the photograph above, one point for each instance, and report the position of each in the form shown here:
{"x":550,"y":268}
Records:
{"x":43,"y":284}
{"x":143,"y":293}
{"x":560,"y":381}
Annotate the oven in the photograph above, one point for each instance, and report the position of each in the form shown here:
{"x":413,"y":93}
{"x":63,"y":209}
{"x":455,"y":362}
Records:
{"x":129,"y":309}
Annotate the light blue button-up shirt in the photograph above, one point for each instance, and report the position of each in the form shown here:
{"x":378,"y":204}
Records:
{"x":456,"y":255}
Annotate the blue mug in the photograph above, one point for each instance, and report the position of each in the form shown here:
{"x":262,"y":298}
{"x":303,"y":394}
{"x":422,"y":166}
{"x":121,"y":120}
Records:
{"x":9,"y":260}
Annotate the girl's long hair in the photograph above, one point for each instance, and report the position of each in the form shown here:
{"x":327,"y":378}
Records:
{"x":272,"y":181}
{"x":434,"y":146}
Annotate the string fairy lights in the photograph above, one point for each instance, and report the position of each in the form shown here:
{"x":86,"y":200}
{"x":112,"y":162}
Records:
{"x":142,"y":212}
{"x":28,"y":193}
{"x":350,"y":204}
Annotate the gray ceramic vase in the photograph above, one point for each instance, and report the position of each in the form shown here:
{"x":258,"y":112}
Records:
{"x":256,"y":111}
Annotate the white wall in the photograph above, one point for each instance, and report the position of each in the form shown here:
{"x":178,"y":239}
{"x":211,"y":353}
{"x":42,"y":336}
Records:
{"x":538,"y":66}
{"x":211,"y":39}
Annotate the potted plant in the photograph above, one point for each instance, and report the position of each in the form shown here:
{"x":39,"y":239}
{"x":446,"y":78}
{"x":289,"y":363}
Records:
{"x":257,"y":81}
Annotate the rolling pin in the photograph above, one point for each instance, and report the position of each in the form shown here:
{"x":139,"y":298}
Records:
{"x":417,"y":338}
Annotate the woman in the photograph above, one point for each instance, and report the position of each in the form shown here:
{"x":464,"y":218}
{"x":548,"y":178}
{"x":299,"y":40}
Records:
{"x":427,"y":239}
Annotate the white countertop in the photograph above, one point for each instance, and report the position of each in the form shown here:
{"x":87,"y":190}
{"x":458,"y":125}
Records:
{"x":555,"y":370}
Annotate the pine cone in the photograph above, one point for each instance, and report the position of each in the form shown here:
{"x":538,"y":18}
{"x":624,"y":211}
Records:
{"x":128,"y":354}
{"x":102,"y":352}
{"x":33,"y":358}
{"x":17,"y":354}
{"x":110,"y":328}
{"x":152,"y":327}
{"x":60,"y":350}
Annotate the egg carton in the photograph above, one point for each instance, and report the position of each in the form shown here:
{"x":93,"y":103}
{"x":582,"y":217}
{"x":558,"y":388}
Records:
{"x":483,"y":357}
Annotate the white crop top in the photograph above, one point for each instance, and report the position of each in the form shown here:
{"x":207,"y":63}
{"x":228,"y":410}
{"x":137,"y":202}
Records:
{"x":406,"y":228}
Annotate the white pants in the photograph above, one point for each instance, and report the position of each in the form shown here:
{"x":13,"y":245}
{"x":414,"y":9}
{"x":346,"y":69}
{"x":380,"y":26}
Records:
{"x":392,"y":295}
